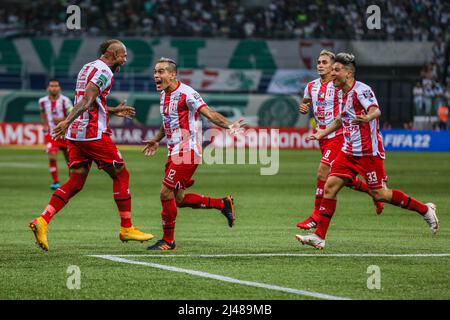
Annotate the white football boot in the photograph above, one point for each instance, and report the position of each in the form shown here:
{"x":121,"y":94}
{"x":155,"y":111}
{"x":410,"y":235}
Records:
{"x":312,"y":240}
{"x":431,"y":218}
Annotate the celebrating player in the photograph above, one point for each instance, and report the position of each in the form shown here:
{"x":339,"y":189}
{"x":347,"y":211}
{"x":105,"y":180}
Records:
{"x":362,"y":153}
{"x":324,"y":97}
{"x":88,"y":134}
{"x":54,"y":108}
{"x":179,"y":108}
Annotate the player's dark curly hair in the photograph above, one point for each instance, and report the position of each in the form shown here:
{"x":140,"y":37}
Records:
{"x":347,"y":59}
{"x":105,"y":45}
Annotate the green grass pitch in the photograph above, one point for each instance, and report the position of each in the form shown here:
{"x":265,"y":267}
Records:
{"x":267,"y":209}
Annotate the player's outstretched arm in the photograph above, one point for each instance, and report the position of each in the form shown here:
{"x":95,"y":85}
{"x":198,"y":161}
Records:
{"x":87,"y":100}
{"x":221,"y":121}
{"x":152,"y":145}
{"x":336,"y":124}
{"x":305,"y":105}
{"x":122,"y":110}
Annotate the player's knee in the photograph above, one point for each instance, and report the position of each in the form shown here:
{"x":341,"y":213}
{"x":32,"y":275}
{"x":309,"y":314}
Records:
{"x":179,"y":201}
{"x":166,"y":194}
{"x":329,"y":193}
{"x":322,"y":172}
{"x":321,"y":175}
{"x":116,"y":169}
{"x":79,"y":169}
{"x":331,"y":188}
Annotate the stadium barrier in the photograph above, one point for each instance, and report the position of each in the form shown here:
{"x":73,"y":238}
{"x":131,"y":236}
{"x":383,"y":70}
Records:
{"x":30,"y":134}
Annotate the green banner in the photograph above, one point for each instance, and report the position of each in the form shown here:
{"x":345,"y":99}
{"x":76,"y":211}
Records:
{"x":258,"y":109}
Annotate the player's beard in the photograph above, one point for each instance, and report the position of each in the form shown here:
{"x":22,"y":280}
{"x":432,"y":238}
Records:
{"x":115,"y":68}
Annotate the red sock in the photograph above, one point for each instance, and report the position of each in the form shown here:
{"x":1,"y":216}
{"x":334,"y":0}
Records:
{"x":326,"y":211}
{"x":198,"y":201}
{"x":402,"y":200}
{"x":63,"y":194}
{"x":53,"y":168}
{"x":168,"y":215}
{"x":318,"y":200}
{"x":358,"y":184}
{"x":122,"y":197}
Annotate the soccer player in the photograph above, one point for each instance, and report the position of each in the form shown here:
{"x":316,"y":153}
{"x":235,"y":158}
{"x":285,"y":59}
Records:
{"x":179,"y":108}
{"x":88,"y":134}
{"x":324,"y":97}
{"x":362,"y":153}
{"x":54,"y":108}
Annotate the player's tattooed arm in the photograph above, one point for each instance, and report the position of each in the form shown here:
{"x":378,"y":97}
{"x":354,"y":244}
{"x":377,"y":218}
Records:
{"x":374,"y":112}
{"x":87,"y":100}
{"x":122,"y":110}
{"x":221,"y":121}
{"x":336,"y":124}
{"x":152,"y":145}
{"x":305,"y":105}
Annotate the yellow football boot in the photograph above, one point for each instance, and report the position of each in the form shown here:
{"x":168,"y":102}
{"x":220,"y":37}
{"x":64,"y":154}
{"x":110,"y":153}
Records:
{"x":39,"y":227}
{"x":134,"y":234}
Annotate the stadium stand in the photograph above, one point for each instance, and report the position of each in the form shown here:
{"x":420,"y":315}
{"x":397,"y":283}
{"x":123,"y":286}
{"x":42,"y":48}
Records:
{"x":418,"y":20}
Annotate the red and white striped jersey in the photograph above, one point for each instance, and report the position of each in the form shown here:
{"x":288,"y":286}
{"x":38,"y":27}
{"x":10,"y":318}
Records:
{"x":363,"y":139}
{"x":93,"y":122}
{"x":179,"y":112}
{"x":55,"y":109}
{"x":325,"y":102}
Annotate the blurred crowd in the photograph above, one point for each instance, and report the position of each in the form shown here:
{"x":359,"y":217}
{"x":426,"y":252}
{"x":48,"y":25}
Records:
{"x":418,"y":20}
{"x":432,"y":94}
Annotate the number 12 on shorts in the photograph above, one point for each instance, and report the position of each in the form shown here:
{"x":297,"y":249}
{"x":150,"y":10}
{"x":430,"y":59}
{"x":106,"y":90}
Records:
{"x":171,"y":173}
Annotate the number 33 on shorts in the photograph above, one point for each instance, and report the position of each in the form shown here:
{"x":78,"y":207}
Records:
{"x":372,"y":177}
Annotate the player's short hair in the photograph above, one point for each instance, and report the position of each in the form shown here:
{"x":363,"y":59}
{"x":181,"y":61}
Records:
{"x":52,"y":80}
{"x":327,"y":53}
{"x":105,"y":45}
{"x":172,"y":64}
{"x":347,"y":59}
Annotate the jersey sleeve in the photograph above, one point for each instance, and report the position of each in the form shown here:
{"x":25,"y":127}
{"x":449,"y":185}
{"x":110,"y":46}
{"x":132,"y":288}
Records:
{"x":195,"y":101}
{"x":102,"y":79}
{"x":306,"y":94}
{"x":367,"y":98}
{"x":41,"y":105}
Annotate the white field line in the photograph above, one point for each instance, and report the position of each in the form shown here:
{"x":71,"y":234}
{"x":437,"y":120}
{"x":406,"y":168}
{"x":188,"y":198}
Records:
{"x":222,"y":278}
{"x":21,"y":165}
{"x":319,"y":255}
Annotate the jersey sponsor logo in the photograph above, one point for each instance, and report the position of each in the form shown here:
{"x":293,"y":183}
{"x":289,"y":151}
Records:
{"x":368,"y":94}
{"x":102,"y":80}
{"x":173,"y":106}
{"x":323,"y":114}
{"x":197,"y":96}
